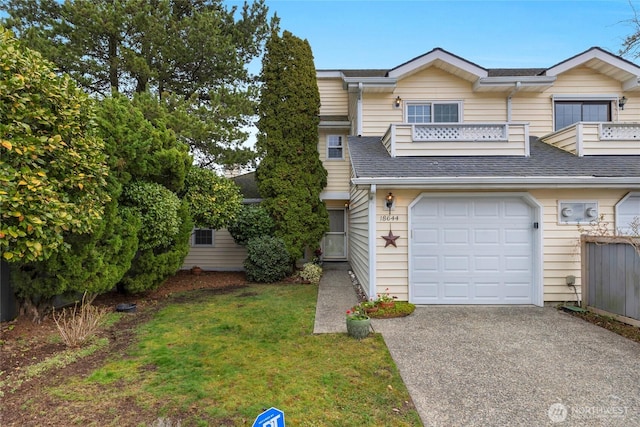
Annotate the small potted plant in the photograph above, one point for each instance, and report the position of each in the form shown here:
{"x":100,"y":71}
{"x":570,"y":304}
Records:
{"x":369,"y":306}
{"x":358,"y":323}
{"x":385,"y":300}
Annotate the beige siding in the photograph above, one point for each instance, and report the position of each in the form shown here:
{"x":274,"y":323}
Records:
{"x":393,"y":266}
{"x":537,"y":109}
{"x":593,"y":146}
{"x":338,"y":170}
{"x":432,"y":84}
{"x":224,"y":255}
{"x":333,"y":98}
{"x":561,"y":251}
{"x":565,"y":139}
{"x":359,"y":235}
{"x":561,"y":241}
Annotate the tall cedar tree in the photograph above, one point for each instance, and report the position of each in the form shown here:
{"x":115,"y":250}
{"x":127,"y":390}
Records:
{"x":290,"y":175}
{"x":193,"y":54}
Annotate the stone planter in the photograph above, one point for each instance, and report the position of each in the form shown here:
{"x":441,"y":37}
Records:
{"x":358,"y":328}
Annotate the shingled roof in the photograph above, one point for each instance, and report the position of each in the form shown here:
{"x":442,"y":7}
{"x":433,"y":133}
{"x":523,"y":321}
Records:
{"x":370,"y":159}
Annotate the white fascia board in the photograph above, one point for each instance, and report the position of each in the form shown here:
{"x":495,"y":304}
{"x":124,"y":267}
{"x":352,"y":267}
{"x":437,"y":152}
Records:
{"x":326,"y":124}
{"x":480,"y":182}
{"x":352,"y":83}
{"x":578,"y":97}
{"x":428,"y":59}
{"x":593,"y":54}
{"x":529,"y":81}
{"x":329,"y":74}
{"x":335,"y":195}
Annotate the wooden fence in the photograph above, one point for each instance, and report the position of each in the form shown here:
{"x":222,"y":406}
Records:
{"x":611,"y":276}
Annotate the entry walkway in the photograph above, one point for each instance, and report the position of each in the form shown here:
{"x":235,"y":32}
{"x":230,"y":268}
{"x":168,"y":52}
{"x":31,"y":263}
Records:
{"x":335,"y":296}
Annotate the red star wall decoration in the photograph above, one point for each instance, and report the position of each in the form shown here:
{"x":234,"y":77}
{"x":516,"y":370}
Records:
{"x":390,"y":239}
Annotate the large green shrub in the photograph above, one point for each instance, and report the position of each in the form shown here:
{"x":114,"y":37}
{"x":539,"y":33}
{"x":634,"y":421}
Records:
{"x":214,"y":201}
{"x":267,"y":260}
{"x":158,"y":210}
{"x":52,"y":166}
{"x":252,"y":221}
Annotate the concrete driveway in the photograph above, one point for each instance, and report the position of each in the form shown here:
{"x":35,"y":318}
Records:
{"x":514,"y":366}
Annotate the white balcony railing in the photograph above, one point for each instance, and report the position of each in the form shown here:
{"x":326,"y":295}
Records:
{"x":457,"y":139}
{"x":619,"y":131}
{"x":460,"y":132}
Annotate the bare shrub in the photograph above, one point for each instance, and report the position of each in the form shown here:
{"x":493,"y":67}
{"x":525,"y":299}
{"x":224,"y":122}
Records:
{"x":77,"y":325}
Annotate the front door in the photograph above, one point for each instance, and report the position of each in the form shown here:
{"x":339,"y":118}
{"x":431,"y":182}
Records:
{"x":335,"y":241}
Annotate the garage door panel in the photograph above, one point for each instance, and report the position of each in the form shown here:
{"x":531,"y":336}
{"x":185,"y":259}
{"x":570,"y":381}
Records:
{"x":456,"y":290}
{"x":489,"y":264}
{"x":425,"y":235}
{"x":459,"y":209}
{"x":486,"y":236}
{"x":516,"y":264}
{"x":474,"y":251}
{"x":454,"y":263}
{"x":485,"y":210}
{"x":517,"y":236}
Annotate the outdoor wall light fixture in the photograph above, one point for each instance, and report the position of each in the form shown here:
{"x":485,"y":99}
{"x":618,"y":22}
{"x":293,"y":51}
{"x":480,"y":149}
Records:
{"x":621,"y":102}
{"x":389,"y":201}
{"x":397,"y":102}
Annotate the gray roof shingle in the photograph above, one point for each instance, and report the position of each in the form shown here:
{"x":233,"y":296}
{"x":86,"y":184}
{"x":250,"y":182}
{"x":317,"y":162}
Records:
{"x":371,"y":160}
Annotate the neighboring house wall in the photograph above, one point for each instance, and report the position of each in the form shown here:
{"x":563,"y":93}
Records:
{"x":223,"y":255}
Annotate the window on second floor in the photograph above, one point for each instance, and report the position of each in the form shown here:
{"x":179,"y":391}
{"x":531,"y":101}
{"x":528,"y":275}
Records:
{"x":335,"y":147}
{"x":202,"y":237}
{"x":433,"y":112}
{"x":570,"y":112}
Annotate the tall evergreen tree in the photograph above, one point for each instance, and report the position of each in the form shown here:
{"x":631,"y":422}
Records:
{"x":290,"y":175}
{"x":193,"y":54}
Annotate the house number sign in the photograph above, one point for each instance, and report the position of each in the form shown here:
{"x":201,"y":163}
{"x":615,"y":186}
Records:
{"x":389,"y":218}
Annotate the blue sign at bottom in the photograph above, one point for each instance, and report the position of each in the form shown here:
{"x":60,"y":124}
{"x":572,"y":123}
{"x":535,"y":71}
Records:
{"x":272,"y":417}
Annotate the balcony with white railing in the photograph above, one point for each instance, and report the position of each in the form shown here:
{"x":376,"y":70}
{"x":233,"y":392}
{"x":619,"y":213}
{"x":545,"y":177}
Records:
{"x":594,"y":139}
{"x":457,"y":139}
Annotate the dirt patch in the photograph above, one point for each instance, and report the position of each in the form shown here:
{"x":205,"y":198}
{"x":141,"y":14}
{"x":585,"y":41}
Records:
{"x":620,"y":328}
{"x":23,"y":344}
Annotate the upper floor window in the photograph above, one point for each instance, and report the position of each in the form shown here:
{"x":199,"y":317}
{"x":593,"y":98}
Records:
{"x":433,"y":112}
{"x":202,"y":237}
{"x":570,"y":112}
{"x":335,"y":147}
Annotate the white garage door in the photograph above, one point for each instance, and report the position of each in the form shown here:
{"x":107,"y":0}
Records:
{"x":472,"y":250}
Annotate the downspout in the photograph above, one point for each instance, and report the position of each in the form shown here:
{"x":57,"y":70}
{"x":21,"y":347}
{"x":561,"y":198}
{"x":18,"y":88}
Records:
{"x":359,"y":110}
{"x":372,"y":240}
{"x":515,"y":89}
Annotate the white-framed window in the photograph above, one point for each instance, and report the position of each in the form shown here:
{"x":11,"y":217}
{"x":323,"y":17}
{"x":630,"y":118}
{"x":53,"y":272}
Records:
{"x":335,"y":147}
{"x":202,"y":237}
{"x":434,"y":112}
{"x":567,"y":113}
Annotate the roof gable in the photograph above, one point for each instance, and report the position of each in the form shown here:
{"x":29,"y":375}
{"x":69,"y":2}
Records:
{"x":442,"y":59}
{"x":603,"y":62}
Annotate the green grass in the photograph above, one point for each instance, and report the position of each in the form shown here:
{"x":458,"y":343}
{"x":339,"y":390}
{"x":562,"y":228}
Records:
{"x":222,"y":359}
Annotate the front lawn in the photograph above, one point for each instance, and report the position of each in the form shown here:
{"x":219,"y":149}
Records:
{"x":218,"y":359}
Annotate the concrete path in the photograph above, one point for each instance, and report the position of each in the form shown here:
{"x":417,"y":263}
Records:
{"x":500,"y":366}
{"x":335,"y":296}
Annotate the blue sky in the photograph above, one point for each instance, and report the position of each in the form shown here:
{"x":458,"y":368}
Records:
{"x":493,"y":34}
